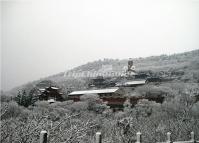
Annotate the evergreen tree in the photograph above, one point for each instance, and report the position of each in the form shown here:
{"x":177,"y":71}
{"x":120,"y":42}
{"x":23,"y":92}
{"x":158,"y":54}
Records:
{"x":25,"y":99}
{"x":18,"y":98}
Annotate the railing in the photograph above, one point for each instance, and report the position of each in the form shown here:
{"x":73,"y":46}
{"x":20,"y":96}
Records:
{"x":98,"y":138}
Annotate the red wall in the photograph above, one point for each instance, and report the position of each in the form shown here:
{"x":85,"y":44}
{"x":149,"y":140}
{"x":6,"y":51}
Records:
{"x":115,"y":101}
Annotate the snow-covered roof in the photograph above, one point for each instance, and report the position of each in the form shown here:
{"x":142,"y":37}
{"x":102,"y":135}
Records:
{"x":135,"y":82}
{"x":54,"y":87}
{"x":108,"y":90}
{"x":51,"y":100}
{"x":41,"y":89}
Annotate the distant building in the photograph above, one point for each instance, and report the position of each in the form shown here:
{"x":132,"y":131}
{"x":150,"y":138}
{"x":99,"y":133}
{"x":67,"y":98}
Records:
{"x":51,"y":94}
{"x":98,"y":81}
{"x":141,"y":75}
{"x":101,"y":82}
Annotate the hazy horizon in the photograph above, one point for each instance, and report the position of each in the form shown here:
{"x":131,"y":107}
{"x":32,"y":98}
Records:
{"x":45,"y":37}
{"x":92,"y":61}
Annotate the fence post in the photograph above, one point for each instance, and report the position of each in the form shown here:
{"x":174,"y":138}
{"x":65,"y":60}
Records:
{"x":98,"y":137}
{"x":51,"y":124}
{"x":43,"y":137}
{"x":192,"y":137}
{"x":168,"y":137}
{"x":138,"y":136}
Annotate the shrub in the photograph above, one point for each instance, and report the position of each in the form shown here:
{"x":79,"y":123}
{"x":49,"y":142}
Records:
{"x":94,"y":103}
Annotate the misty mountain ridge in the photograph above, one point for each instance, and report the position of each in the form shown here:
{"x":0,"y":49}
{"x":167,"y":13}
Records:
{"x":153,"y":63}
{"x":187,"y":62}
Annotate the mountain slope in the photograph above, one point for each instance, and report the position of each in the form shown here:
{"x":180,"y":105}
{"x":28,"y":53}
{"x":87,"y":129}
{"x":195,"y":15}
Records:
{"x":186,"y":63}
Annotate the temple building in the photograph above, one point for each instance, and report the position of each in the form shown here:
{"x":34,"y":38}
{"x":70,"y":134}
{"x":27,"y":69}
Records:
{"x":51,"y":94}
{"x":113,"y":96}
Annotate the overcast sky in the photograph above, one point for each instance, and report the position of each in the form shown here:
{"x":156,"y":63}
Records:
{"x":44,"y":37}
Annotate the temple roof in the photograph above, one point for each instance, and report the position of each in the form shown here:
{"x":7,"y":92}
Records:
{"x":129,"y":83}
{"x":108,"y":90}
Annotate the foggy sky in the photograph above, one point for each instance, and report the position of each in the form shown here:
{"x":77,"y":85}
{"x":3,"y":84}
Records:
{"x":44,"y":37}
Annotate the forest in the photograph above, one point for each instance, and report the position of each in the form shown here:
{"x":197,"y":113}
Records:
{"x":23,"y":116}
